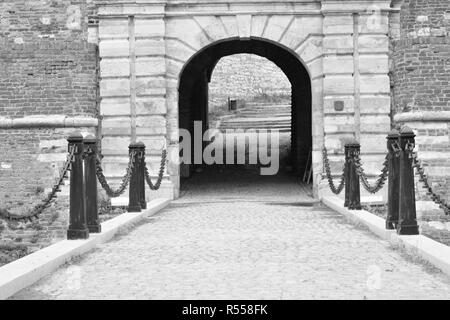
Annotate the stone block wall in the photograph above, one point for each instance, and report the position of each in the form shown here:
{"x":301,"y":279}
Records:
{"x":134,"y":90}
{"x":356,"y":92}
{"x":246,"y":76}
{"x":47,"y":73}
{"x":421,"y":85}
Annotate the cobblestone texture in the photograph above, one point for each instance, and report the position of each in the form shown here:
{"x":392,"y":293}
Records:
{"x":249,"y":238}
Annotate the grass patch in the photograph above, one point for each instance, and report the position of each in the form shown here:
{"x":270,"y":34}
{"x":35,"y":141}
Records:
{"x":108,"y":213}
{"x":439,"y":235}
{"x":10,"y":251}
{"x":379,"y":210}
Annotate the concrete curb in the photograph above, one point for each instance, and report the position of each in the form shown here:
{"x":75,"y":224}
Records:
{"x":428,"y":249}
{"x":23,"y":272}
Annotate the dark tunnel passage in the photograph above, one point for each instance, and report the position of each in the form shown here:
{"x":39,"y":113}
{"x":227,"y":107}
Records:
{"x":196,"y":74}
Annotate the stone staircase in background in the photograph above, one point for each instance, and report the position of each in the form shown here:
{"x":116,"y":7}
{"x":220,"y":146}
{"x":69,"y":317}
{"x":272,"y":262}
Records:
{"x":259,"y":116}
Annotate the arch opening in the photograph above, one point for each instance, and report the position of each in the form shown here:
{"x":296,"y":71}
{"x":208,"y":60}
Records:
{"x":193,"y":93}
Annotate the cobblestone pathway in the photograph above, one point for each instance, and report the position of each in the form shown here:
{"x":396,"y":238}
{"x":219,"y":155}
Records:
{"x":262,"y":239}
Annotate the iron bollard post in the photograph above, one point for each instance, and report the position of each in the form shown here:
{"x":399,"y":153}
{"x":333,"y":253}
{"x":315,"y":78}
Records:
{"x":407,"y":223}
{"x":141,"y":158}
{"x":346,"y":174}
{"x":354,"y":199}
{"x":90,"y":177}
{"x":393,"y":179}
{"x":77,"y":224}
{"x":134,"y":194}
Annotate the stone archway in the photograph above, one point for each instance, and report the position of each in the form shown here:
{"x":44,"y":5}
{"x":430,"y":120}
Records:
{"x":193,"y":90}
{"x":144,"y":47}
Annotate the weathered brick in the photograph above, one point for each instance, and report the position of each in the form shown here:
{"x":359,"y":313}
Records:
{"x":47,"y":68}
{"x":420,"y":80}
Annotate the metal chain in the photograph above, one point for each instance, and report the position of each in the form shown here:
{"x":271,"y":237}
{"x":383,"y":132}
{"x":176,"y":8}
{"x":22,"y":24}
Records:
{"x":125,"y":180}
{"x":326,"y":164}
{"x":160,"y":174}
{"x":424,"y":179}
{"x":51,"y":196}
{"x":381,"y":177}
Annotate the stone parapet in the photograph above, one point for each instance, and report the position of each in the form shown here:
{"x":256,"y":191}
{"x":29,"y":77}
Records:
{"x":50,"y":121}
{"x":437,"y":116}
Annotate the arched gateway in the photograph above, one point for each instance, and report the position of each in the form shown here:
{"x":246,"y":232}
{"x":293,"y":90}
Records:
{"x":335,"y":54}
{"x":196,"y":74}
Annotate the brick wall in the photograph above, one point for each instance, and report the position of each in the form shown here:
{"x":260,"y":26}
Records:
{"x":47,"y":67}
{"x":30,"y":162}
{"x":422,"y":74}
{"x":421,"y":79}
{"x":422,"y":57}
{"x":246,"y":76}
{"x":24,"y":181}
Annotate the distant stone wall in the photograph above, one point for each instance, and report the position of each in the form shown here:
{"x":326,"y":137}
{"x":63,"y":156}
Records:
{"x":47,"y":70}
{"x":421,"y":82}
{"x":246,"y":76}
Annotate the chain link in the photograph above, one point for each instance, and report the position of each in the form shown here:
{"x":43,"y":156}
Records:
{"x":51,"y":196}
{"x":326,"y":164}
{"x":381,"y":177}
{"x":125,"y":180}
{"x":424,"y":179}
{"x":160,"y":173}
